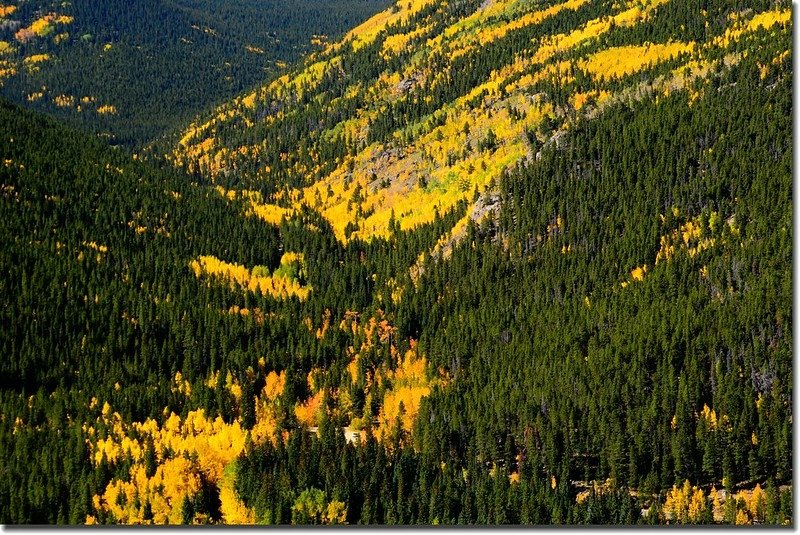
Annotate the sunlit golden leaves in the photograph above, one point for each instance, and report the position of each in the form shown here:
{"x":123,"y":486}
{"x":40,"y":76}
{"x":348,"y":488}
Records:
{"x":430,"y":165}
{"x":308,"y":412}
{"x":271,"y":213}
{"x":181,"y":454}
{"x":409,"y":383}
{"x":741,"y":25}
{"x":233,"y":511}
{"x":685,"y":504}
{"x":620,"y":61}
{"x":280,"y":284}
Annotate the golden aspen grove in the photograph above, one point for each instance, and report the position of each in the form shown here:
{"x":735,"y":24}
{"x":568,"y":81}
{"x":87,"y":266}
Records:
{"x":410,"y":262}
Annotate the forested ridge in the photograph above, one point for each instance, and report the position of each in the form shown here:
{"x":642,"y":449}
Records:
{"x":499,"y":263}
{"x":133,"y":71}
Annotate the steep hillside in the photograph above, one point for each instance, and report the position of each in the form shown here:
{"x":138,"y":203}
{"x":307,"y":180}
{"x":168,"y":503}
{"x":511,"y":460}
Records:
{"x":429,"y":101}
{"x":477,"y":263}
{"x":148,"y":321}
{"x":135,"y":70}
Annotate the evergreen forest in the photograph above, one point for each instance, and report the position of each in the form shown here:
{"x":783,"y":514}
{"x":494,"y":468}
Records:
{"x":131,"y":71}
{"x":511,"y":262}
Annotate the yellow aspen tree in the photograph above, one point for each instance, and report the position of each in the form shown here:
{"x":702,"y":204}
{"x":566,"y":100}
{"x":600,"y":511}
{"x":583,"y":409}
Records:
{"x":756,"y":503}
{"x":741,"y":518}
{"x":697,"y":505}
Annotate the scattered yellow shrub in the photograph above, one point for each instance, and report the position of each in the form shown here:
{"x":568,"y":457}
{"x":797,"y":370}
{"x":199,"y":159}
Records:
{"x":64,"y":101}
{"x":41,"y":26}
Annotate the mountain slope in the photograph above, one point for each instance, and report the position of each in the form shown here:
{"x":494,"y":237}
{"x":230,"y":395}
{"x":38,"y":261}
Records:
{"x":136,"y":70}
{"x":504,"y":263}
{"x":133,"y":298}
{"x":428,"y":102}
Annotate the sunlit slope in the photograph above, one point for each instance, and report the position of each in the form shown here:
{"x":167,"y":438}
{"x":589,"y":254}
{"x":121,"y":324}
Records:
{"x":429,"y":102}
{"x":125,"y":245}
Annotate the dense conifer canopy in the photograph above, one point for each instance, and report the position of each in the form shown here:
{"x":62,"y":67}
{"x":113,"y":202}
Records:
{"x":474,"y":263}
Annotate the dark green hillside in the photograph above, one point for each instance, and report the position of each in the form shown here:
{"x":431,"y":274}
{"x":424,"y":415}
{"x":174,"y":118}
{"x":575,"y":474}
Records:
{"x":160,"y":62}
{"x":555,"y":291}
{"x":99,"y":302}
